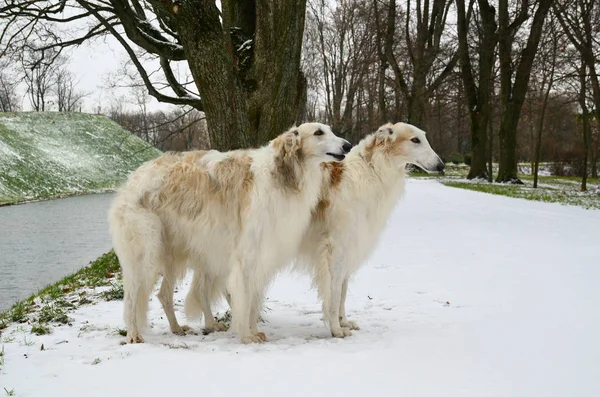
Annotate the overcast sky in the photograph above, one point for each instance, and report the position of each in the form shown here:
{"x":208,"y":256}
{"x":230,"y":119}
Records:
{"x":94,"y":63}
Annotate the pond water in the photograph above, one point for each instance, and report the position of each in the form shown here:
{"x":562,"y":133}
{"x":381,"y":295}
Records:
{"x":40,"y":243}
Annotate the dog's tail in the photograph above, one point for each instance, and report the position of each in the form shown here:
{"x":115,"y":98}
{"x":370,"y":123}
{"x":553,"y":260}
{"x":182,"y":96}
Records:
{"x":193,"y":300}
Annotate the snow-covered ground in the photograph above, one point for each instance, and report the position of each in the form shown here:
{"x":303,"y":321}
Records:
{"x":468,"y":294}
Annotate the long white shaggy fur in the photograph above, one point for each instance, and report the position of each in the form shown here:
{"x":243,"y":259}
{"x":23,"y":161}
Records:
{"x":235,"y":217}
{"x":360,"y":195}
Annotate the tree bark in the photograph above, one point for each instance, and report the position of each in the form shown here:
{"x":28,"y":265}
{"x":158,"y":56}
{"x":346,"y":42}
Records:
{"x":490,"y":176}
{"x":586,"y":125}
{"x":478,"y":95}
{"x":513,"y":92}
{"x":550,"y":81}
{"x":246,"y":103}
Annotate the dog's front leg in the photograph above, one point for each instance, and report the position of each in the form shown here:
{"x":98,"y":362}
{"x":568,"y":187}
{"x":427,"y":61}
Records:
{"x":239,"y":287}
{"x":257,"y":301}
{"x":344,"y":322}
{"x":337,"y":282}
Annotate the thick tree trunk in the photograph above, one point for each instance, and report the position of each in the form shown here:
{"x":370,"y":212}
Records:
{"x":538,"y":144}
{"x":586,"y":125}
{"x":513,"y":92}
{"x":478,"y":147}
{"x":276,"y":68}
{"x":417,"y":100}
{"x":383,"y":114}
{"x":507,"y":168}
{"x":478,"y":97}
{"x":247,"y":102}
{"x":538,"y":141}
{"x":594,"y":164}
{"x":211,"y":59}
{"x":490,"y":175}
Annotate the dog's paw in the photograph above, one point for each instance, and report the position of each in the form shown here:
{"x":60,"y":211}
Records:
{"x":252,"y":339}
{"x":262,"y":336}
{"x":341,"y":332}
{"x":182,"y":331}
{"x":214,"y":327}
{"x":134,"y":337}
{"x":349,"y":324}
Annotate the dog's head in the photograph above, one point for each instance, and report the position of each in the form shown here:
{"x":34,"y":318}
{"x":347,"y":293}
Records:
{"x":316,"y":140}
{"x":406,"y":144}
{"x":309,"y":141}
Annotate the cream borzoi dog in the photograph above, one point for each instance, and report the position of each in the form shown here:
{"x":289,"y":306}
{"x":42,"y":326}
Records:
{"x":237,"y":217}
{"x":346,"y":225}
{"x":358,"y":196}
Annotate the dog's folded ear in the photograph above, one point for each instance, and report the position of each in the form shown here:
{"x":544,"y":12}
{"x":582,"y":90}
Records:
{"x":287,"y":144}
{"x":383,"y":132}
{"x":287,"y":158}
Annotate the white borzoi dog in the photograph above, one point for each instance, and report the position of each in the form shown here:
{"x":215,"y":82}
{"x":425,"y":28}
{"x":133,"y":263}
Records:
{"x":352,"y":213}
{"x":235,"y":217}
{"x":357,"y":198}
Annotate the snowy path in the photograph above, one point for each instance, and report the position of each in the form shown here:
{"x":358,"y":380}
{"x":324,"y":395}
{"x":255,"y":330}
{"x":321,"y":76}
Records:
{"x":523,"y":319}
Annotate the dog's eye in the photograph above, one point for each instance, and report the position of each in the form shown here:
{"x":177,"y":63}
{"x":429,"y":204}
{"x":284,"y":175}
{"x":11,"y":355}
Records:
{"x":390,"y":131}
{"x":319,"y":132}
{"x":416,"y":140}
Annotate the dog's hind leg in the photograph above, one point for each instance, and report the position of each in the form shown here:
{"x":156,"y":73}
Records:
{"x":344,"y":322}
{"x":137,"y":287}
{"x":165,"y":296}
{"x":203,"y":292}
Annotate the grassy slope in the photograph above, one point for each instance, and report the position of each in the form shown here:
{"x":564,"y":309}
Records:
{"x":553,"y":189}
{"x":49,"y":154}
{"x":100,"y":280}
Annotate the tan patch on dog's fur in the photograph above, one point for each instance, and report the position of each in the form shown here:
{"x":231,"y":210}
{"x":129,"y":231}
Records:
{"x":336,"y":173}
{"x":288,"y":170}
{"x":332,"y":179}
{"x":190,"y":187}
{"x":320,"y":211}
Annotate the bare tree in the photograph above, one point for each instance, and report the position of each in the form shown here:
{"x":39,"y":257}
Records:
{"x":8,"y":89}
{"x":580,"y":20}
{"x":585,"y":121}
{"x":427,"y":59}
{"x":39,"y":72}
{"x":548,"y":60}
{"x":244,"y":58}
{"x":343,"y":39}
{"x":68,"y":97}
{"x":478,"y":92}
{"x":514,"y":75}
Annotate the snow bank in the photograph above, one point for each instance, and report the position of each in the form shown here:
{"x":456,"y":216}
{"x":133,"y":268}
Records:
{"x":468,"y":294}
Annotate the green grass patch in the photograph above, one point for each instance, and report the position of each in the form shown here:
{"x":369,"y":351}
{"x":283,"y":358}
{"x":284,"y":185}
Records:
{"x":52,"y":303}
{"x":551,"y":189}
{"x":53,"y":313}
{"x":548,"y":194}
{"x":40,"y":329}
{"x":115,"y":292}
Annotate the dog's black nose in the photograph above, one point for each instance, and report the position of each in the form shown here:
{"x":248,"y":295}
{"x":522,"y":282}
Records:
{"x":347,"y":147}
{"x":440,"y":167}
